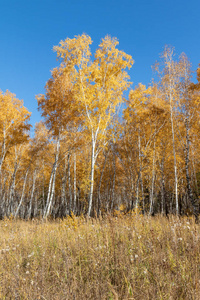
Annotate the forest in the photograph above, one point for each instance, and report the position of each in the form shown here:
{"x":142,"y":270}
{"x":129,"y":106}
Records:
{"x":103,"y":146}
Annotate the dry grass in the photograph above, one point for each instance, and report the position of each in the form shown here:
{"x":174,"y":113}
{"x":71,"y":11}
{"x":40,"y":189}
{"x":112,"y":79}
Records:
{"x":124,"y":257}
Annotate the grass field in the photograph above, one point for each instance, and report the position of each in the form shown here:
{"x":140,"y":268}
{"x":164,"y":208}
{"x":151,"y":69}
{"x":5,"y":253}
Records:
{"x":123,"y":257}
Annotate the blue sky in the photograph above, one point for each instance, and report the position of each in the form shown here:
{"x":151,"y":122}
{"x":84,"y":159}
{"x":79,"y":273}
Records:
{"x":30,"y":28}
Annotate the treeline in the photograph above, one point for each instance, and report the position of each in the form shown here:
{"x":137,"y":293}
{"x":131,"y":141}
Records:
{"x":91,"y":157}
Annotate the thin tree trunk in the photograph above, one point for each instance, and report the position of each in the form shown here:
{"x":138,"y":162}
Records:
{"x":99,"y":187}
{"x":74,"y":206}
{"x":194,"y":174}
{"x":12,"y":189}
{"x":113,"y":183}
{"x":49,"y":207}
{"x":32,"y":193}
{"x":43,"y":188}
{"x":142,"y":190}
{"x":52,"y":180}
{"x":91,"y":179}
{"x":162,"y":187}
{"x":137,"y":192}
{"x":12,"y":186}
{"x":175,"y":165}
{"x":22,"y":196}
{"x":141,"y":180}
{"x":63,"y":189}
{"x":152,"y":183}
{"x":69,"y":184}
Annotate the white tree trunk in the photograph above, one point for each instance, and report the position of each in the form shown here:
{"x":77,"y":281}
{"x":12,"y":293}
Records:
{"x":91,"y":178}
{"x":52,"y":180}
{"x":69,"y":184}
{"x":152,"y":183}
{"x":74,"y":206}
{"x":22,"y":196}
{"x":174,"y":154}
{"x":32,"y":193}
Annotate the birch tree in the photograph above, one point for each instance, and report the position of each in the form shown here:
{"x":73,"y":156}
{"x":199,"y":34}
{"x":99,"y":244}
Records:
{"x":98,"y":87}
{"x":14,"y":126}
{"x":169,"y":83}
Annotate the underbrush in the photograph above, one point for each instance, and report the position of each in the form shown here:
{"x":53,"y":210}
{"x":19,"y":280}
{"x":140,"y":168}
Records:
{"x":122,"y":257}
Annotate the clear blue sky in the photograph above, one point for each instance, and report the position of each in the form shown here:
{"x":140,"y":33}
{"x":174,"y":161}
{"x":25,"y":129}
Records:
{"x":30,"y":28}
